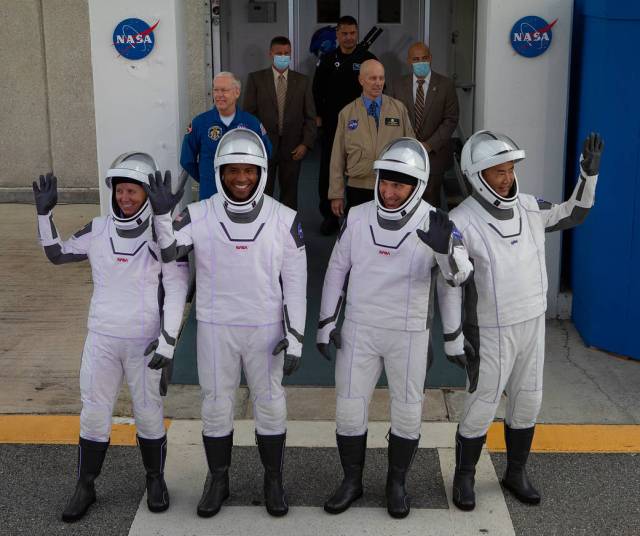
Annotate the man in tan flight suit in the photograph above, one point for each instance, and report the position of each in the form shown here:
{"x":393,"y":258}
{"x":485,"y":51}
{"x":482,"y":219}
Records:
{"x":365,"y":127}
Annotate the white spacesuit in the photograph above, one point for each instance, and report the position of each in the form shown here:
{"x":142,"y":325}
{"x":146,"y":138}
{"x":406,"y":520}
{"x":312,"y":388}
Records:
{"x":495,"y":325}
{"x":136,"y":308}
{"x":389,"y":306}
{"x":251,"y":275}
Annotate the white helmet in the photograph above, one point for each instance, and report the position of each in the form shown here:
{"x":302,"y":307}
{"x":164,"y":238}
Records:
{"x":241,"y":146}
{"x":403,"y":160}
{"x":130,"y":167}
{"x":486,"y":149}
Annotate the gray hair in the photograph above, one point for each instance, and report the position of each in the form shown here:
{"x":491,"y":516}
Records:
{"x":235,"y":80}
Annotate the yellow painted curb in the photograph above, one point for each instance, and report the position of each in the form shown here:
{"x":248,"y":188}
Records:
{"x":57,"y":430}
{"x":574,"y":438}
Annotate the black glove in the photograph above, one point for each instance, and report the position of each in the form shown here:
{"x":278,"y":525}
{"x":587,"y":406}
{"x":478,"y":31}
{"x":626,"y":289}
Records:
{"x":46,"y":195}
{"x":159,"y":192}
{"x":291,"y":362}
{"x":465,"y":358}
{"x":468,"y":362}
{"x":164,"y":380}
{"x":324,"y":348}
{"x":158,"y":361}
{"x":439,"y":233}
{"x":591,"y":152}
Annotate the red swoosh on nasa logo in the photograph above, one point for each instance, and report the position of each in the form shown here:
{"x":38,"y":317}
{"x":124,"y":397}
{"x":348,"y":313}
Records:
{"x":146,"y":32}
{"x":548,"y":27}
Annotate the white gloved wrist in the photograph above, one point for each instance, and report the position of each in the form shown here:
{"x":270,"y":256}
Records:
{"x":322,"y":336}
{"x":455,"y":347}
{"x":165,"y":349}
{"x":164,"y":230}
{"x":45,"y":230}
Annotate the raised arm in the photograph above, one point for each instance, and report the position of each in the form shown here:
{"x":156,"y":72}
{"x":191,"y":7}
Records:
{"x":45,"y":193}
{"x":574,"y":211}
{"x":174,"y":239}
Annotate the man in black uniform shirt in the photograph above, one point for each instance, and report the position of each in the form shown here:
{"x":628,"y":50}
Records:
{"x":335,"y":85}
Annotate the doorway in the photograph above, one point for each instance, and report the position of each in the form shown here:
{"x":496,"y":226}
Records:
{"x":240,"y":38}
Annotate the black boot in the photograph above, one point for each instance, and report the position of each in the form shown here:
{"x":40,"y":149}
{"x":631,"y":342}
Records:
{"x":467,"y":456}
{"x":352,"y":451}
{"x":154,"y":455}
{"x":401,"y":452}
{"x":515,"y":477}
{"x":271,"y":448}
{"x":90,"y":457}
{"x":216,"y":487}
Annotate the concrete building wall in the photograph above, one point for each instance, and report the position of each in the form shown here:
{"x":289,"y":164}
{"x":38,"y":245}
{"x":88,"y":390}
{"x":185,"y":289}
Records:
{"x":70,"y":92}
{"x":47,"y":105}
{"x":24,"y":115}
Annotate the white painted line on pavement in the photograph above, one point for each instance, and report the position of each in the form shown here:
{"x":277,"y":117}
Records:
{"x":185,"y":473}
{"x":491,"y":512}
{"x":314,"y":434}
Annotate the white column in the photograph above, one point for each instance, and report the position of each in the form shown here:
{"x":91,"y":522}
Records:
{"x":527,"y":99}
{"x":139,"y":105}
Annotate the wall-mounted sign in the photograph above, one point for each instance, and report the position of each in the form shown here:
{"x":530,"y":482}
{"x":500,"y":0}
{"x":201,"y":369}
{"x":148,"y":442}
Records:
{"x":531,"y":36}
{"x":134,"y":39}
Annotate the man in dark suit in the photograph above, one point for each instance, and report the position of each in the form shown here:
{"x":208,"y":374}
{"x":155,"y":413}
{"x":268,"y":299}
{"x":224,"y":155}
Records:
{"x":336,"y":84}
{"x":282,"y":100}
{"x":433,"y":108}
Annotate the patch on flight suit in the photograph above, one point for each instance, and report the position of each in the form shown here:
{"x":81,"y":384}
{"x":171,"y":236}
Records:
{"x":189,"y":129}
{"x":392,"y":121}
{"x":215,"y":132}
{"x":262,"y":129}
{"x":542,"y":204}
{"x":355,"y":66}
{"x":296,"y":232}
{"x":352,"y":124}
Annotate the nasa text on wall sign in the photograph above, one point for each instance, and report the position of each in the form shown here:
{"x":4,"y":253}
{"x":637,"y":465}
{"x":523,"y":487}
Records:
{"x":133,"y":38}
{"x":531,"y":36}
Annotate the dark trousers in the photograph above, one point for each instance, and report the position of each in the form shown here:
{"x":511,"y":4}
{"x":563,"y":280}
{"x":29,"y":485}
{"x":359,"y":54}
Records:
{"x":357,"y":196}
{"x":327,"y":135}
{"x":432,"y":193}
{"x":288,"y":171}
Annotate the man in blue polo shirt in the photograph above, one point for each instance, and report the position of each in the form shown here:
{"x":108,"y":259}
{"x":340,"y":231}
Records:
{"x":206,"y":130}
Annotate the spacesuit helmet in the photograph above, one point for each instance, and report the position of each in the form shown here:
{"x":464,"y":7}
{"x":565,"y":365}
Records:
{"x":133,"y":167}
{"x":241,"y":146}
{"x":404,"y":160}
{"x":484,"y":150}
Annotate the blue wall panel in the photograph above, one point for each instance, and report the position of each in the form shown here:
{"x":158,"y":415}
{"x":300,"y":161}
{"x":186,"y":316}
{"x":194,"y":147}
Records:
{"x":606,"y":248}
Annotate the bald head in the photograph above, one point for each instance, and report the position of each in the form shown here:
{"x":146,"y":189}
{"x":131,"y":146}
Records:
{"x":418,"y":53}
{"x":371,"y":78}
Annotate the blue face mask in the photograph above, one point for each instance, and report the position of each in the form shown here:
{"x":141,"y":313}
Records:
{"x":421,"y":68}
{"x":281,"y":62}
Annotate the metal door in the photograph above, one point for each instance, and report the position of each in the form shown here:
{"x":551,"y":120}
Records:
{"x":403,"y":22}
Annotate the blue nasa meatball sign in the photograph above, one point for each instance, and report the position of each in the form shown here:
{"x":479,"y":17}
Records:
{"x":133,"y":38}
{"x":531,"y":36}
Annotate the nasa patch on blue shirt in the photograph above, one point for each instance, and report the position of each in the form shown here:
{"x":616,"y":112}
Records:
{"x":352,"y":124}
{"x":355,"y":66}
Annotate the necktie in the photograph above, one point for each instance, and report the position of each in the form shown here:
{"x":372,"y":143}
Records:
{"x":281,"y":93}
{"x":373,"y":108}
{"x":419,"y":105}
